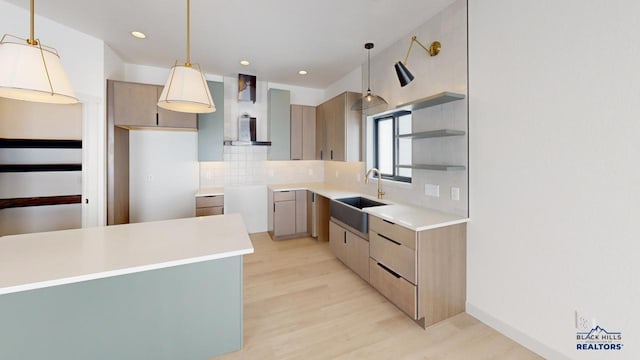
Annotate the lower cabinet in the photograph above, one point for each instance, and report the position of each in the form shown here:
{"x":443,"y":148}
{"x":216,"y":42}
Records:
{"x":423,"y":273}
{"x":209,"y":205}
{"x":289,"y":214}
{"x":394,"y":287}
{"x":350,"y":248}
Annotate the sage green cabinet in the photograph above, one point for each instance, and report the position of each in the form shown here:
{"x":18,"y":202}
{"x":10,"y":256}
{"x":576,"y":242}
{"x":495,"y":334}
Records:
{"x":279,"y":108}
{"x":211,"y":127}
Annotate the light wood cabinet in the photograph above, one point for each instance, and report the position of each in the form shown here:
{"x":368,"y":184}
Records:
{"x":338,"y":129}
{"x":321,"y":142}
{"x":135,"y":106}
{"x":209,"y":205}
{"x":323,"y":215}
{"x":284,"y":218}
{"x":350,"y":248}
{"x":289,"y":214}
{"x":303,"y":132}
{"x":423,"y":273}
{"x":132,"y":106}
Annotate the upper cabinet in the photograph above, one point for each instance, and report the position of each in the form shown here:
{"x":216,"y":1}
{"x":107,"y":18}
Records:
{"x":338,"y":129}
{"x":211,"y":127}
{"x":279,"y":104}
{"x":303,"y":132}
{"x":135,"y":106}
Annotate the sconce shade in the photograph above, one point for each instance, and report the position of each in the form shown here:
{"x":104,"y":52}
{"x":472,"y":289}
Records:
{"x":33,"y":73}
{"x":186,"y":91}
{"x":404,"y":75}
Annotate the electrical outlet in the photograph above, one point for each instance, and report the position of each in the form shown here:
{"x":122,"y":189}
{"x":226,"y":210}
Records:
{"x":455,"y":193}
{"x":432,"y":190}
{"x":149,"y":178}
{"x":583,"y":322}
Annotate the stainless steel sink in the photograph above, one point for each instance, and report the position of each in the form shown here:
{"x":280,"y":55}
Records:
{"x":349,"y":211}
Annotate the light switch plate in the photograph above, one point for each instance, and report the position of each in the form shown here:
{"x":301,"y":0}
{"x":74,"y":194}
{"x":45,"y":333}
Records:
{"x":455,"y":193}
{"x":432,"y":190}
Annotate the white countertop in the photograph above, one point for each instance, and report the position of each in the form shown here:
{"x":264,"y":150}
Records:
{"x":411,"y":217}
{"x":211,"y":191}
{"x":415,"y":218}
{"x":325,"y":189}
{"x":33,"y":261}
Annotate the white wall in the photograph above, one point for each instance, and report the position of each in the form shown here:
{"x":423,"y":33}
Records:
{"x":445,"y":72}
{"x":163,"y":174}
{"x":83,"y":59}
{"x":350,"y":82}
{"x":114,"y":66}
{"x":27,"y":120}
{"x":555,"y":186}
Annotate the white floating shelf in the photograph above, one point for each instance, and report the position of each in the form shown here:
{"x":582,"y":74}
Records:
{"x":433,"y":100}
{"x":434,"y":167}
{"x":432,"y":134}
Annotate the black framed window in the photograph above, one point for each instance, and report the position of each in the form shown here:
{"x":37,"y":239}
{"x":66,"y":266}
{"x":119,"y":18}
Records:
{"x":390,"y":148}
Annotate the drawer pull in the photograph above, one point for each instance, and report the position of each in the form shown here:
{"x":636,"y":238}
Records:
{"x":388,"y":222}
{"x":388,"y":239}
{"x":283,"y":191}
{"x":211,"y":196}
{"x":390,"y":271}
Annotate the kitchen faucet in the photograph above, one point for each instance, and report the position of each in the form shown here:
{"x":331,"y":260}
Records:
{"x":366,"y":180}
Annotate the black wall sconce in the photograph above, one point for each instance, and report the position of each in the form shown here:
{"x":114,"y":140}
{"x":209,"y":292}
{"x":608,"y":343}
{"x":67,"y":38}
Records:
{"x":404,"y":75}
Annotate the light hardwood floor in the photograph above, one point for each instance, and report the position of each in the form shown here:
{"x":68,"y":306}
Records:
{"x":300,"y":302}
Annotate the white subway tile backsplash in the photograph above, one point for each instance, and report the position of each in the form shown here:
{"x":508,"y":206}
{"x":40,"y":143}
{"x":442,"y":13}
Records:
{"x":249,"y":165}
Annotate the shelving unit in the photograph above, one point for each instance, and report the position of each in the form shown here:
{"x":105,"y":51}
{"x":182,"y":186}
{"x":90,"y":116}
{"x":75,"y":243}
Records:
{"x":22,"y":168}
{"x":436,"y":167}
{"x":40,"y":201}
{"x":432,"y":134}
{"x":430,"y":101}
{"x":39,"y":167}
{"x":40,"y":144}
{"x":433,"y":100}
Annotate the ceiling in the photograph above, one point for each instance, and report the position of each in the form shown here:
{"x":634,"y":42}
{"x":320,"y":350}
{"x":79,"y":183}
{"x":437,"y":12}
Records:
{"x":278,"y":37}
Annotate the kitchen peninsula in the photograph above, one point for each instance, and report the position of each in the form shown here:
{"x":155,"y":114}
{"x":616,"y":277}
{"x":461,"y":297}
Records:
{"x":157,"y":290}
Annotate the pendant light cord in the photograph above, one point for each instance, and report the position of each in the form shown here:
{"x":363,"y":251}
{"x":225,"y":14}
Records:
{"x":369,"y":71}
{"x":188,"y":64}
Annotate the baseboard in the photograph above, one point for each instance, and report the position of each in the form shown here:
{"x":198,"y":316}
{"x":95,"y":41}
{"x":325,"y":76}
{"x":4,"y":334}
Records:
{"x":514,"y":334}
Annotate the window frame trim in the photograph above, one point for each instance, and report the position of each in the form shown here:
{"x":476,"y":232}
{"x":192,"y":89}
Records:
{"x":395,"y":124}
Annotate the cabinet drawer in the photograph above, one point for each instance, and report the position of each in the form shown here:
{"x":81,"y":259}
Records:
{"x":214,"y":210}
{"x":394,"y":255}
{"x":395,"y":232}
{"x":207,"y":201}
{"x":398,"y":290}
{"x":284,"y":195}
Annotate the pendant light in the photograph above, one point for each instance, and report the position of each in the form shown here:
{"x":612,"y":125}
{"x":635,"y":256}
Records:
{"x":186,"y":89}
{"x":31,"y":71}
{"x":369,"y":103}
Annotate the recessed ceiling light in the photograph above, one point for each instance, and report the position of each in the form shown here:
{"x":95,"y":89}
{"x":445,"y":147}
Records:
{"x":244,"y":62}
{"x":302,"y":72}
{"x":138,"y":34}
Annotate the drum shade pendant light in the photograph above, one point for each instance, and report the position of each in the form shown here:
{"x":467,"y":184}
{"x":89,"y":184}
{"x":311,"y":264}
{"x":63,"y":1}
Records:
{"x":369,"y":103}
{"x":186,"y":89}
{"x":404,"y":75}
{"x":31,"y":71}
